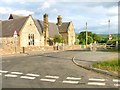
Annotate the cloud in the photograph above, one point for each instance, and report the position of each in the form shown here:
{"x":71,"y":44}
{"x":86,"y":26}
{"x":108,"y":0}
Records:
{"x":55,"y":10}
{"x":4,"y":10}
{"x":7,"y":10}
{"x":21,"y":1}
{"x":12,"y":1}
{"x":113,"y":11}
{"x":47,"y":4}
{"x":22,"y":12}
{"x":96,"y":13}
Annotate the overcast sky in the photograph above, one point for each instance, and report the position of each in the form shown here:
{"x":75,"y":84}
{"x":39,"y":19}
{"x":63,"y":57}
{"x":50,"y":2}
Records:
{"x":96,"y":13}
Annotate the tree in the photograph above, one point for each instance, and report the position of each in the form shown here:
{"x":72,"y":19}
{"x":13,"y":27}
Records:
{"x":96,"y":37}
{"x":58,"y":39}
{"x":81,"y":37}
{"x":91,"y":37}
{"x":103,"y":40}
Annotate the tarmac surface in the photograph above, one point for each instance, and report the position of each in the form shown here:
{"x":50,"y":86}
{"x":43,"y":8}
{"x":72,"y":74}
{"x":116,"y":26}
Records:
{"x":55,"y":70}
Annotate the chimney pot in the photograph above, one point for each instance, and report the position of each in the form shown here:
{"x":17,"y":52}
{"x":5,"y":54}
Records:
{"x":59,"y":20}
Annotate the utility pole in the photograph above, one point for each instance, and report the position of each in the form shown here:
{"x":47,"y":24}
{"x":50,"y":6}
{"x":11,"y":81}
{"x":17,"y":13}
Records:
{"x":109,"y":35}
{"x":86,"y":35}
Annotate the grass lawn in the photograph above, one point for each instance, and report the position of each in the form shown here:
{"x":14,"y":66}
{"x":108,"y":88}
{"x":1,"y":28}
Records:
{"x":112,"y":66}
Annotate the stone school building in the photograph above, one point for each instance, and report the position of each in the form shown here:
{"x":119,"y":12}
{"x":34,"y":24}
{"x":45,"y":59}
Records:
{"x":25,"y":33}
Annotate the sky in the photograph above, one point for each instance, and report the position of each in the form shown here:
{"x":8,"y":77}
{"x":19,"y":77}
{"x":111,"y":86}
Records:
{"x":95,"y":13}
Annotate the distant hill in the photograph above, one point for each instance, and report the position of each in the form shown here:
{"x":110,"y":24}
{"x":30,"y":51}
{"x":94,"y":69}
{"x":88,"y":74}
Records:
{"x":106,"y":35}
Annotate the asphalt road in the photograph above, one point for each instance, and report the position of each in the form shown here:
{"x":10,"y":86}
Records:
{"x":54,"y":70}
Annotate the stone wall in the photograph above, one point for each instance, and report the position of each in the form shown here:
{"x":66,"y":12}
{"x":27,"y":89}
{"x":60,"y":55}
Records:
{"x":31,"y":49}
{"x":9,"y":45}
{"x":65,"y":37}
{"x":67,"y":47}
{"x":73,"y":47}
{"x":71,"y":35}
{"x":30,"y":29}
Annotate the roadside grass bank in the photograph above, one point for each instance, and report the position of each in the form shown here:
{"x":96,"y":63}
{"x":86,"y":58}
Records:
{"x":111,"y":66}
{"x":111,"y":50}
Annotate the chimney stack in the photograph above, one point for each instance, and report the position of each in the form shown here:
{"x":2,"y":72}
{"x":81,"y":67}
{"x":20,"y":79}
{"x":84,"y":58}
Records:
{"x":59,"y":20}
{"x":46,"y":35}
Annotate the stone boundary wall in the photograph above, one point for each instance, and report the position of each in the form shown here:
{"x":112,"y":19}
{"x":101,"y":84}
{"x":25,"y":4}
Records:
{"x":9,"y":48}
{"x":31,"y":49}
{"x":7,"y":45}
{"x":74,"y":47}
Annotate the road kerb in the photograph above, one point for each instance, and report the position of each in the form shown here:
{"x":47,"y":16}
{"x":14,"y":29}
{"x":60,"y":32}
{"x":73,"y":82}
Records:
{"x":95,"y":69}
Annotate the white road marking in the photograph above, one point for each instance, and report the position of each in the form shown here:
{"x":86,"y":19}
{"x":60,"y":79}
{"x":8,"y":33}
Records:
{"x":10,"y":75}
{"x":95,"y":79}
{"x":72,"y":82}
{"x":48,"y":80}
{"x":3,"y":71}
{"x":26,"y":77}
{"x":0,"y":74}
{"x":34,"y":75}
{"x":73,"y":78}
{"x":117,"y":85}
{"x":48,"y":76}
{"x":96,"y":83}
{"x":19,"y":73}
{"x":116,"y":80}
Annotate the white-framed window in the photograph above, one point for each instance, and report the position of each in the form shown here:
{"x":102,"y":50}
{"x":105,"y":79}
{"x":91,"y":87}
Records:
{"x":31,"y":39}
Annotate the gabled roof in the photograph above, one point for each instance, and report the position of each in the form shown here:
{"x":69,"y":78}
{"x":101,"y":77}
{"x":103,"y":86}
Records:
{"x":38,"y":25}
{"x":9,"y":26}
{"x":53,"y":29}
{"x":63,"y":27}
{"x":16,"y":22}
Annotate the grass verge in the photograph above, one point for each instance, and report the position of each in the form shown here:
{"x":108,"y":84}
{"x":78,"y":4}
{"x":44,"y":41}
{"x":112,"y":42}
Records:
{"x":112,"y":66}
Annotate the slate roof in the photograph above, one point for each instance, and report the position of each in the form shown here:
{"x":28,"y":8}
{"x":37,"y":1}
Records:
{"x":38,"y":25}
{"x":9,"y":26}
{"x":64,"y":27}
{"x":53,"y":29}
{"x":16,"y":22}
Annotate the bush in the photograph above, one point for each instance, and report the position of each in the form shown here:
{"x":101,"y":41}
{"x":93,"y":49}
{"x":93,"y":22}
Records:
{"x":58,"y":39}
{"x":90,"y":39}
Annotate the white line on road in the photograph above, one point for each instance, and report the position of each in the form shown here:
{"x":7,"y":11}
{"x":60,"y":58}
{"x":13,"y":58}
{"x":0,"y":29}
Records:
{"x":3,"y":71}
{"x":48,"y":76}
{"x":34,"y":75}
{"x":19,"y":73}
{"x":117,"y":85}
{"x":73,"y":78}
{"x":48,"y":80}
{"x":96,"y":83}
{"x":10,"y":75}
{"x":72,"y":82}
{"x":26,"y":77}
{"x":95,"y":79}
{"x":0,"y":74}
{"x":116,"y":80}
